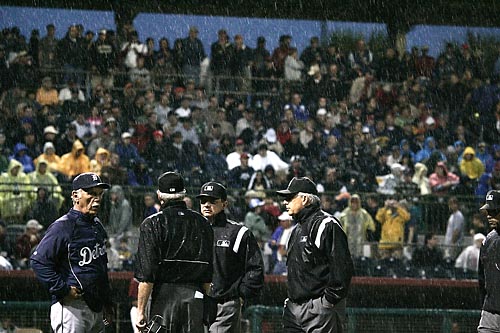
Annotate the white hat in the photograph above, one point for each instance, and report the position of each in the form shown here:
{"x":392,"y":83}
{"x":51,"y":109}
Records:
{"x":255,"y":202}
{"x":126,"y":135}
{"x":50,"y":129}
{"x":430,"y":121}
{"x":34,"y":224}
{"x":284,"y":217}
{"x":313,"y":70}
{"x":321,"y":112}
{"x":271,"y":136}
{"x":479,"y":236}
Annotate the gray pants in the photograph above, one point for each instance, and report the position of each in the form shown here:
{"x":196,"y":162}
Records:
{"x":489,"y":323}
{"x":314,"y":316}
{"x":228,"y":318}
{"x":75,"y":317}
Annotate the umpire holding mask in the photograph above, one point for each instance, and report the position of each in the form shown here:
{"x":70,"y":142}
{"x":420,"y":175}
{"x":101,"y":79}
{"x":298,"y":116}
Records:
{"x":174,"y":261}
{"x":238,"y":265}
{"x":319,"y":264}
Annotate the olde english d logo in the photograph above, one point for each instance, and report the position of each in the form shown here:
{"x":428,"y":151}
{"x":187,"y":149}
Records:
{"x":489,"y":197}
{"x":223,"y":243}
{"x":303,"y":239}
{"x":209,"y":188}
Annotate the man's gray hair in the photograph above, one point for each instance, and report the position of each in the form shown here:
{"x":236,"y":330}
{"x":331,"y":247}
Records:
{"x":310,"y":198}
{"x":165,"y":197}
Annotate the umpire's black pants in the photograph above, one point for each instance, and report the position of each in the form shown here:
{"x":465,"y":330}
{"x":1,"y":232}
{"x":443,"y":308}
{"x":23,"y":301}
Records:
{"x":180,"y":305}
{"x":314,"y":316}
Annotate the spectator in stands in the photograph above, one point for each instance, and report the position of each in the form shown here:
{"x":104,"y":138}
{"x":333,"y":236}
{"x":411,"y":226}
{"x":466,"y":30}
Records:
{"x":114,"y":173}
{"x":132,"y":49}
{"x":468,"y":259}
{"x":240,"y":64}
{"x":294,"y":67}
{"x":361,"y":58}
{"x":47,"y":49}
{"x":20,"y":154}
{"x":280,"y":53}
{"x":215,"y":164}
{"x":387,"y":184}
{"x":239,"y":177}
{"x":100,"y":160}
{"x":256,"y":224}
{"x":7,"y":326}
{"x":42,"y":176}
{"x":429,"y":255}
{"x":66,"y":93}
{"x":193,"y":54}
{"x":441,"y":180}
{"x":293,"y":146}
{"x":266,"y":157}
{"x":120,"y":215}
{"x":392,"y":218}
{"x":6,"y":243}
{"x":260,"y":53}
{"x":16,"y":192}
{"x":455,"y":229}
{"x":107,"y":139}
{"x":46,"y":94}
{"x":103,"y":54}
{"x":279,"y":243}
{"x":471,"y":166}
{"x":45,"y":207}
{"x":356,"y":222}
{"x":149,"y":205}
{"x":72,"y":55}
{"x":65,"y":142}
{"x":312,"y":53}
{"x":420,"y":179}
{"x":74,"y":162}
{"x":27,"y":242}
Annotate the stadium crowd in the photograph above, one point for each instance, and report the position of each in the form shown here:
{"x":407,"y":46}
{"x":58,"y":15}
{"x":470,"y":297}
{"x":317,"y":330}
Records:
{"x":376,"y":132}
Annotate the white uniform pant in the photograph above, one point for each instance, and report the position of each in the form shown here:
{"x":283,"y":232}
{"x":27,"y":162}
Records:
{"x":75,"y":317}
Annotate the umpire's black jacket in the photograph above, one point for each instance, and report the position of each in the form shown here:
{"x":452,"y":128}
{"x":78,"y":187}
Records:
{"x":238,"y":264}
{"x":489,"y":272}
{"x":319,"y":261}
{"x":175,"y":246}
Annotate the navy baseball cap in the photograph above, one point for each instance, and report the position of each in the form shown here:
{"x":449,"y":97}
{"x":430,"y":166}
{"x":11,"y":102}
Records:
{"x":171,"y":182}
{"x":88,"y":180}
{"x":213,"y":190}
{"x":296,"y":185}
{"x":492,"y":200}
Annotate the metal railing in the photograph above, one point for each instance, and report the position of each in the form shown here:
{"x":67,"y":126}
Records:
{"x":265,"y":319}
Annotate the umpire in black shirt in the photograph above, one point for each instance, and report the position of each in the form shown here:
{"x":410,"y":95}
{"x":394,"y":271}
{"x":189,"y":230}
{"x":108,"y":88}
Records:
{"x":174,"y":261}
{"x":238,"y":265}
{"x":319,"y":264}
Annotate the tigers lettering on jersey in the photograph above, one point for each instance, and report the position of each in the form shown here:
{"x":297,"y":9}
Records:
{"x":89,"y":254}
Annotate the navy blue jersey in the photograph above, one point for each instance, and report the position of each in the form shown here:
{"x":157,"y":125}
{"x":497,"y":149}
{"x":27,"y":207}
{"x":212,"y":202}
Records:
{"x":73,"y":253}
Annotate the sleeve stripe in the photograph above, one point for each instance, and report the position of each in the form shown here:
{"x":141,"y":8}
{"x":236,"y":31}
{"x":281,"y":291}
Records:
{"x":239,"y":237}
{"x":321,"y":228}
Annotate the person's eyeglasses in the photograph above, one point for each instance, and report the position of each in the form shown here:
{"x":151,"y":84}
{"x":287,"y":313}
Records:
{"x":493,"y":212}
{"x":209,"y":200}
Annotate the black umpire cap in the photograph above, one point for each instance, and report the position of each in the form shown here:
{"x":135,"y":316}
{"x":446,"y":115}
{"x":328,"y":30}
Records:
{"x":213,"y":190}
{"x":492,"y":200}
{"x":299,"y":184}
{"x":171,"y":182}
